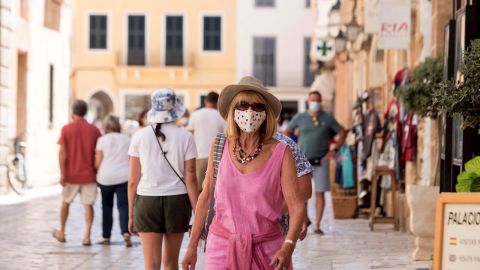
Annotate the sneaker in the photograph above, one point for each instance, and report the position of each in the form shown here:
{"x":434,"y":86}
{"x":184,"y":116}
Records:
{"x":127,"y":239}
{"x":104,"y":241}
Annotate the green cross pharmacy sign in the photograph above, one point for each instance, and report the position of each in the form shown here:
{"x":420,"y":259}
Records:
{"x":325,"y":49}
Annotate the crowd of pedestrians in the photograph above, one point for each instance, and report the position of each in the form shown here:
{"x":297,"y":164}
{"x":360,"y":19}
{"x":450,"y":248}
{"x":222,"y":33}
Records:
{"x":246,"y":183}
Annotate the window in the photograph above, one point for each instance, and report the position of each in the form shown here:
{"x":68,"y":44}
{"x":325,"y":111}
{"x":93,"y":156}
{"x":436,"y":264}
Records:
{"x":307,"y":73}
{"x":136,"y":40}
{"x":264,"y":3}
{"x":202,"y":101}
{"x":174,"y":40}
{"x":135,"y":104}
{"x":50,"y":94}
{"x":212,"y":33}
{"x":264,"y":60}
{"x":97,"y":32}
{"x":52,"y":14}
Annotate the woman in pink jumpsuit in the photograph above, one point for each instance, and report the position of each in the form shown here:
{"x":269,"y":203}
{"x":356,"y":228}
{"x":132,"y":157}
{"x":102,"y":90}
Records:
{"x":255,"y":176}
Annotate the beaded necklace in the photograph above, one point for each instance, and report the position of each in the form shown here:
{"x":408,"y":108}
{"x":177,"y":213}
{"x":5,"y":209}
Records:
{"x":242,"y":156}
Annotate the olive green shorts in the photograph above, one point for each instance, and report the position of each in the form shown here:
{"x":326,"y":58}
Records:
{"x":162,"y":214}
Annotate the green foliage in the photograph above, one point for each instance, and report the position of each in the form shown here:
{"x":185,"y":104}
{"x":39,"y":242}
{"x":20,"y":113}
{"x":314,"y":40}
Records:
{"x":419,"y":94}
{"x":463,"y":97}
{"x":469,"y":180}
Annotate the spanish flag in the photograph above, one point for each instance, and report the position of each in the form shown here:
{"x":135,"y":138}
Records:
{"x":453,"y":241}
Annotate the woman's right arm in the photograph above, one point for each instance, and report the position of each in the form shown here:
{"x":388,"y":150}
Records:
{"x":98,"y":158}
{"x":203,"y":203}
{"x":133,"y":180}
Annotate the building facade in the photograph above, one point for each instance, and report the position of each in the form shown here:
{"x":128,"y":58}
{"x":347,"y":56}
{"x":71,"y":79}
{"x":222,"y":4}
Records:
{"x":367,"y":66}
{"x":122,"y":52}
{"x":34,"y":82}
{"x":273,"y":44}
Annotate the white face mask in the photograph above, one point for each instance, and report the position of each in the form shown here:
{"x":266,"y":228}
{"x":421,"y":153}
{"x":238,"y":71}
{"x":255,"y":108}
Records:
{"x":249,"y":120}
{"x":314,"y":106}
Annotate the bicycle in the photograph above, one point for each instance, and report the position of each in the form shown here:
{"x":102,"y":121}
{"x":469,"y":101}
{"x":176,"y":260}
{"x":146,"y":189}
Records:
{"x":15,"y":168}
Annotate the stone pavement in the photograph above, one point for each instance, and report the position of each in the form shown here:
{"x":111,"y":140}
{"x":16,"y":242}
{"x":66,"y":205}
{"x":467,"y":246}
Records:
{"x":26,"y":243}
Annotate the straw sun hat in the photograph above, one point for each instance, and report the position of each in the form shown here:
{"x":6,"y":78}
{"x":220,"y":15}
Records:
{"x":247,"y":83}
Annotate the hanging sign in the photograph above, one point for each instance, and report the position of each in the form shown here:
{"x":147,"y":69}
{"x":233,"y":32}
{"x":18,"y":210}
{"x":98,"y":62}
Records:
{"x":394,"y":24}
{"x":457,"y":232}
{"x":325,"y":49}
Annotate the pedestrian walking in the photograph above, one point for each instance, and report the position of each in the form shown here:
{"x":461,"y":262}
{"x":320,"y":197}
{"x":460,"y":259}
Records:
{"x":255,"y":175}
{"x":112,"y":162}
{"x":317,"y":128}
{"x":78,"y":175}
{"x":162,"y":186}
{"x":205,"y":123}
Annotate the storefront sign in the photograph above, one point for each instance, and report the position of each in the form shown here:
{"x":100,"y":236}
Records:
{"x":394,"y":22}
{"x":457,"y":232}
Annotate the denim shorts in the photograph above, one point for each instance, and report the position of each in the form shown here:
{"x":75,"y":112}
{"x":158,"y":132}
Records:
{"x":321,"y":177}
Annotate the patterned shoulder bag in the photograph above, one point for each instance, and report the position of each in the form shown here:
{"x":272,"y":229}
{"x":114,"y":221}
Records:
{"x":217,"y":156}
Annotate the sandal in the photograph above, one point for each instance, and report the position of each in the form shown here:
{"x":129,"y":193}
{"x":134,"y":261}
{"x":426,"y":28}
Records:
{"x":127,"y":239}
{"x":56,"y":235}
{"x":86,"y":243}
{"x":318,"y":231}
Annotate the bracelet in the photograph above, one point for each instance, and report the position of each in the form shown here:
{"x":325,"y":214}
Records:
{"x":291,"y":242}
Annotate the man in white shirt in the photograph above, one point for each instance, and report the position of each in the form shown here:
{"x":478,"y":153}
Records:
{"x":205,"y":123}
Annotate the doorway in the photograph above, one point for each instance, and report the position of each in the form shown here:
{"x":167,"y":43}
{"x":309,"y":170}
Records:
{"x":99,"y":106}
{"x":21,"y":113}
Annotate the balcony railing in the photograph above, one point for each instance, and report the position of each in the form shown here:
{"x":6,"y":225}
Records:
{"x":153,"y":72}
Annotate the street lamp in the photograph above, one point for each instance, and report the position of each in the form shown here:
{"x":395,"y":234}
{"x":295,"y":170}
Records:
{"x":340,"y":42}
{"x":334,"y":20}
{"x":353,"y":29}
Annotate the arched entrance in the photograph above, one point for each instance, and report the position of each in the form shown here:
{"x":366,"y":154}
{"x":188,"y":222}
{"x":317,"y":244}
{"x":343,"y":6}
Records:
{"x":99,"y":106}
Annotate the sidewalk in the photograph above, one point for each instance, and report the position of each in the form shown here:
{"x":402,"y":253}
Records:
{"x":27,"y":244}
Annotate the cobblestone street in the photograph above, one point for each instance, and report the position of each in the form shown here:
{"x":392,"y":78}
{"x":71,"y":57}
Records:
{"x":27,"y":244}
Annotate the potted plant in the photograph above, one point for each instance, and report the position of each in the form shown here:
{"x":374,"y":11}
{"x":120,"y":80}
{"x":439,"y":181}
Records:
{"x":462,"y":96}
{"x":469,"y":180}
{"x":418,"y":96}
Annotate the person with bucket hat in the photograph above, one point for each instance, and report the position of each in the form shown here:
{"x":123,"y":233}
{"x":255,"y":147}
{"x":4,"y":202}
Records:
{"x":162,"y":186}
{"x":256,"y":174}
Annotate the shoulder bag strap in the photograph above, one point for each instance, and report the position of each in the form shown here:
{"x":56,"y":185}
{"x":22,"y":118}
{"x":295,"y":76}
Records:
{"x":217,"y":156}
{"x":164,"y":153}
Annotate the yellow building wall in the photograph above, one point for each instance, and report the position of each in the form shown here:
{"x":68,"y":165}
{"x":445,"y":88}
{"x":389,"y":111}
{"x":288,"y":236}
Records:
{"x":106,"y":70}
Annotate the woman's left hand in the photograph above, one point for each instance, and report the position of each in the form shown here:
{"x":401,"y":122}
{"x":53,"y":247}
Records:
{"x":281,"y":259}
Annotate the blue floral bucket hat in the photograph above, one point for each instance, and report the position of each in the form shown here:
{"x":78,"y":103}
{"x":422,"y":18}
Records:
{"x":166,"y":106}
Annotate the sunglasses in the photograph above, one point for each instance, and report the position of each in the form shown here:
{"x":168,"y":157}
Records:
{"x":243,"y":106}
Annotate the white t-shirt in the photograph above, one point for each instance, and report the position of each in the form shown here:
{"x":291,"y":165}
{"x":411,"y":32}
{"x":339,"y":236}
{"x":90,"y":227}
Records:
{"x":205,"y":124}
{"x":115,"y":164}
{"x":158,"y":179}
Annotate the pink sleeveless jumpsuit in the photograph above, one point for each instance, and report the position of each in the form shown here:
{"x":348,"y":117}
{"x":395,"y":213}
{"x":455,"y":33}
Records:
{"x":244,"y":233}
